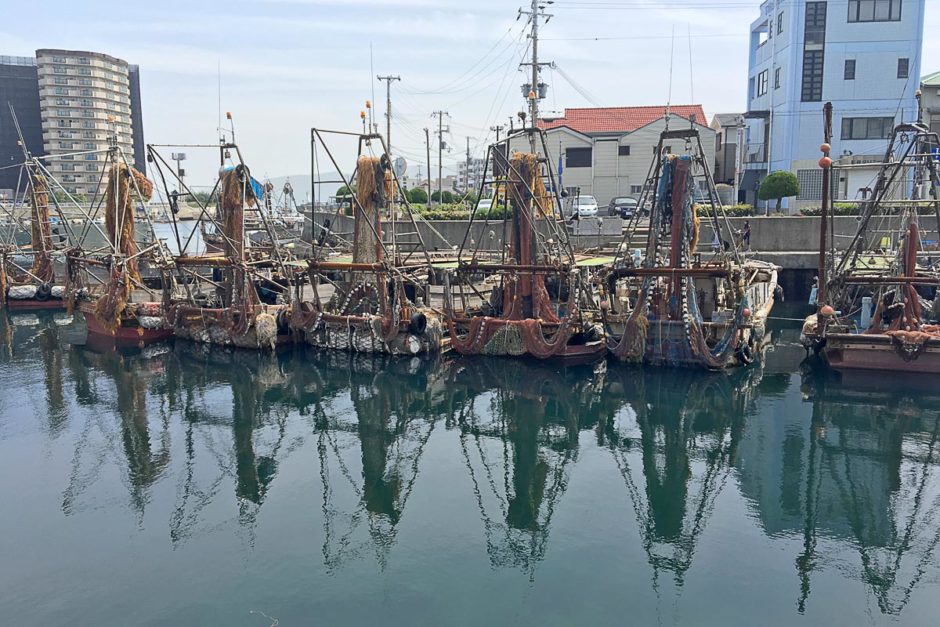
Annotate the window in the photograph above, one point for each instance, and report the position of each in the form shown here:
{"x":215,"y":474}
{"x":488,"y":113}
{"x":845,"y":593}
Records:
{"x":62,"y":102}
{"x":762,"y":83}
{"x":88,"y":113}
{"x":89,"y":145}
{"x":636,"y":189}
{"x":777,"y":78}
{"x":874,"y":10}
{"x":86,"y":102}
{"x":91,"y":167}
{"x":64,"y":123}
{"x":58,"y":59}
{"x":65,"y":145}
{"x":84,"y":61}
{"x":61,"y":80}
{"x":578,"y":157}
{"x":867,"y":128}
{"x":88,"y":124}
{"x":849,"y":73}
{"x":88,"y":134}
{"x":84,"y":81}
{"x":58,"y":69}
{"x":85,"y":92}
{"x":904,"y":68}
{"x":68,"y":167}
{"x":91,"y":157}
{"x":812,"y":75}
{"x":63,"y":113}
{"x":84,"y":71}
{"x":810,"y":181}
{"x":780,"y":23}
{"x":623,"y":151}
{"x":61,"y":91}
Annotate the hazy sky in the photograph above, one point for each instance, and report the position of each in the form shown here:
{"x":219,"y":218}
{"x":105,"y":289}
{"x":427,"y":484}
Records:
{"x":288,"y":65}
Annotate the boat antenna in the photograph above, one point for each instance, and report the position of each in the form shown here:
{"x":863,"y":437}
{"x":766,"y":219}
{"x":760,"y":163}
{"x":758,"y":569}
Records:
{"x":672,"y":56}
{"x":219,"y":93}
{"x":691,"y":74}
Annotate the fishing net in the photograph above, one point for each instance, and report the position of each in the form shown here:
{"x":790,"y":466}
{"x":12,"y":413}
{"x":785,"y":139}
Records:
{"x":119,"y":224}
{"x":528,"y":322}
{"x":119,"y":212}
{"x":236,"y":192}
{"x":371,"y":193}
{"x":41,"y":230}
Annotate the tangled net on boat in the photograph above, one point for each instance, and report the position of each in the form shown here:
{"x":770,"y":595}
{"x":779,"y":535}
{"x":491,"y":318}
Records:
{"x":526,"y":306}
{"x":41,"y":230}
{"x":119,"y":212}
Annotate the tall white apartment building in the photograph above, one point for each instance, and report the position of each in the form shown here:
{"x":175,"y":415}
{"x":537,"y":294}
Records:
{"x":84,"y":98}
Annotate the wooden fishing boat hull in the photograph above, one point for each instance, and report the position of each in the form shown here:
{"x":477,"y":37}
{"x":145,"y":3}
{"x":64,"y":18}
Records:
{"x":32,"y":304}
{"x":880,"y":352}
{"x":127,"y":335}
{"x":495,"y":337}
{"x":210,"y":326}
{"x":356,"y":339}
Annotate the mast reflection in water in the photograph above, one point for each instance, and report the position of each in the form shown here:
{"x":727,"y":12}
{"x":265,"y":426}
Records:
{"x":357,"y":489}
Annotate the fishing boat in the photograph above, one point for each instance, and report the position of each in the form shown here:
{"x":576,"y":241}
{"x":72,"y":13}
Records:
{"x":106,"y":285}
{"x":28,"y":280}
{"x":877,"y":302}
{"x":238,"y":296}
{"x":377,"y":300}
{"x":675,"y":305}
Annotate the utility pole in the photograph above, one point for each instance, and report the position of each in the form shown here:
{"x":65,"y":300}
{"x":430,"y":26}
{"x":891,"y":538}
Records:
{"x":388,"y":111}
{"x":497,"y":129}
{"x":535,"y":13}
{"x":427,"y":143}
{"x":440,"y":149}
{"x":467,"y":184}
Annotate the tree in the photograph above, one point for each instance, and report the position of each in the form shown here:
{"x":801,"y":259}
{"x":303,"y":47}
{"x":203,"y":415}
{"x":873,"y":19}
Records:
{"x":417,"y":196}
{"x":779,"y":185}
{"x":446,"y":197}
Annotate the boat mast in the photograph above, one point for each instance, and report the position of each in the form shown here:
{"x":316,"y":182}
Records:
{"x":826,"y":164}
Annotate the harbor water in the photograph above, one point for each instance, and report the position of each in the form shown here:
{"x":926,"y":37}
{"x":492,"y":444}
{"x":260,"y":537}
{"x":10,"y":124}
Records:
{"x":185,"y":485}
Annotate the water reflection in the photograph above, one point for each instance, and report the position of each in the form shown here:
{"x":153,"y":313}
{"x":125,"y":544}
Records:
{"x":674,"y":440}
{"x":842,"y":477}
{"x":519,"y":436}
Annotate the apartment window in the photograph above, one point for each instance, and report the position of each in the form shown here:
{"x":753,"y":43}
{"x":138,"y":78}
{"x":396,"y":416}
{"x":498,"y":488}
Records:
{"x":812,"y":75}
{"x":88,"y":134}
{"x":849,"y":72}
{"x":777,"y":78}
{"x":63,"y":113}
{"x":59,"y":80}
{"x":867,"y":128}
{"x":86,"y":102}
{"x":88,"y":124}
{"x":58,"y":59}
{"x":84,"y":61}
{"x":58,"y":69}
{"x":65,"y":145}
{"x":68,"y":167}
{"x":88,"y":113}
{"x":61,"y":91}
{"x":762,"y":83}
{"x":85,"y":92}
{"x":780,"y":23}
{"x":636,"y":189}
{"x":91,"y":157}
{"x":874,"y":10}
{"x":904,"y":68}
{"x":65,"y":134}
{"x":91,"y":167}
{"x":68,"y":157}
{"x":89,"y":145}
{"x":623,"y":151}
{"x":84,"y":81}
{"x":84,"y":71}
{"x":62,"y":102}
{"x":750,"y":89}
{"x":63,"y":123}
{"x":578,"y":157}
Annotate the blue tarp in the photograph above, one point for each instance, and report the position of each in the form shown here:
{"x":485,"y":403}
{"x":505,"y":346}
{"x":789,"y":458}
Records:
{"x":256,"y":187}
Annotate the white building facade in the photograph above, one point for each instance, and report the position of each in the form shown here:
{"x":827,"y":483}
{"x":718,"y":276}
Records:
{"x":861,"y":55}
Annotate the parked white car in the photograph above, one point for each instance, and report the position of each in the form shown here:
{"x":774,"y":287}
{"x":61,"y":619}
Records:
{"x":485,"y":204}
{"x":586,"y":206}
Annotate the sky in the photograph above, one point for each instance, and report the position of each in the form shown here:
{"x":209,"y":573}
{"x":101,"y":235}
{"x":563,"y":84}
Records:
{"x":289,"y":65}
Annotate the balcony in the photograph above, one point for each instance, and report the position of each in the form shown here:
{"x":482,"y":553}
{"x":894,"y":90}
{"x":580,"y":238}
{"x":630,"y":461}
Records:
{"x":755,"y":156}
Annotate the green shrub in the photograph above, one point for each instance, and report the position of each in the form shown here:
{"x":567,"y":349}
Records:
{"x":779,"y":185}
{"x":734,"y":211}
